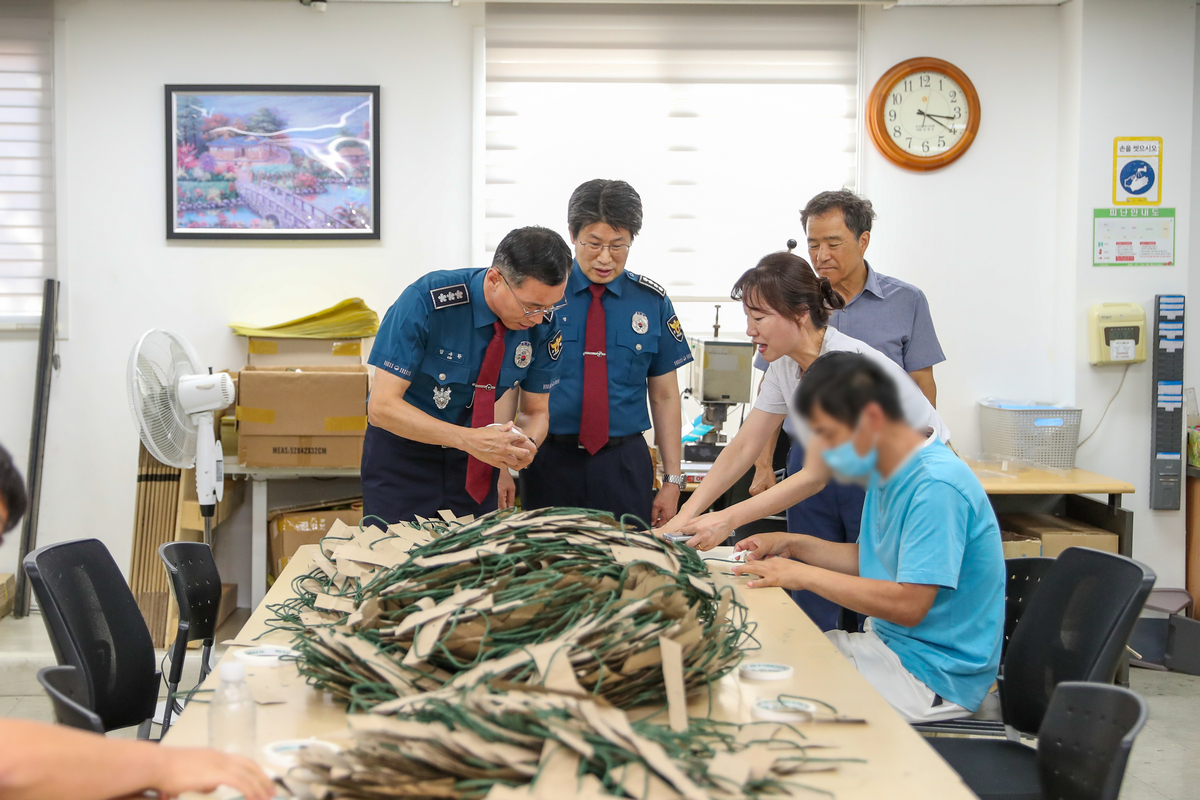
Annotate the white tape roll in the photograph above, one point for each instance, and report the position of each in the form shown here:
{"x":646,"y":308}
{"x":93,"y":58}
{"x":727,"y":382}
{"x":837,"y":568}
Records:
{"x":267,"y":655}
{"x":286,"y":754}
{"x":764,"y":671}
{"x":784,"y":710}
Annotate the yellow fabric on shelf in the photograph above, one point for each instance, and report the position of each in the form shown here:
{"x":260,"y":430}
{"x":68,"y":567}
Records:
{"x":349,"y":319}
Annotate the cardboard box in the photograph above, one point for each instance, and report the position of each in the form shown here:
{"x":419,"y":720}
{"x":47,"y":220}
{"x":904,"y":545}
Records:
{"x":1058,"y":533}
{"x":1018,"y":546}
{"x":229,"y":436}
{"x":312,"y":417}
{"x":289,"y":532}
{"x":189,"y":508}
{"x":264,"y":352}
{"x":8,"y":593}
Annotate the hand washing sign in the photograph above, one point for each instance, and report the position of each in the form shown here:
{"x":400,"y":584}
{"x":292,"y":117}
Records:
{"x":1137,"y":170}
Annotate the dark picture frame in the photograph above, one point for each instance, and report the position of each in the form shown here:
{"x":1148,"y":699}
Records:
{"x":272,"y":162}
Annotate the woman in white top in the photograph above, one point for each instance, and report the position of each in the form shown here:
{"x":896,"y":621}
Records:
{"x":787,"y":310}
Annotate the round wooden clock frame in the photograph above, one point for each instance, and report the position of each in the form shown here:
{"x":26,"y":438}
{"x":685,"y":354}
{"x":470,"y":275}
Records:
{"x":878,"y":128}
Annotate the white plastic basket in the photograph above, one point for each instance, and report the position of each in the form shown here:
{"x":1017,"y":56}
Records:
{"x":1040,"y":433}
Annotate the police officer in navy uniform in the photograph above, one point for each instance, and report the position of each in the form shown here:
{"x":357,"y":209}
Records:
{"x":448,"y":349}
{"x":622,"y":343}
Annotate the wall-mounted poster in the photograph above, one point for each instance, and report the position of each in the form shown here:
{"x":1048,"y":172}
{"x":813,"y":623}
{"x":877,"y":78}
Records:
{"x":272,"y":162}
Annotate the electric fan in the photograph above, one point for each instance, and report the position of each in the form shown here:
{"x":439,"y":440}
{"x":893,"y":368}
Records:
{"x":174,"y":400}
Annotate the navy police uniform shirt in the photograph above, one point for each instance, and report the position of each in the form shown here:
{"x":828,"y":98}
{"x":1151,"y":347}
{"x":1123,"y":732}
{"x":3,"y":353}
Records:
{"x":643,"y":339}
{"x":436,"y":333}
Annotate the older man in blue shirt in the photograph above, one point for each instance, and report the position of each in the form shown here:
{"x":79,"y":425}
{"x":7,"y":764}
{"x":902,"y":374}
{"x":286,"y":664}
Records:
{"x":888,"y":314}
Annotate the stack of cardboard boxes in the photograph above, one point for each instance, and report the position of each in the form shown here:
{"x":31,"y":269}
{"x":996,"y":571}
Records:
{"x":1044,"y":535}
{"x":301,"y":403}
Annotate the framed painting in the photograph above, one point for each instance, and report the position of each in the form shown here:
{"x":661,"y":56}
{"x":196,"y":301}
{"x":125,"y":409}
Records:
{"x":272,"y":162}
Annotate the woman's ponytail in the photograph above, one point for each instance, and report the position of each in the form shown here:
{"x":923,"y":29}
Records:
{"x":832,"y":299}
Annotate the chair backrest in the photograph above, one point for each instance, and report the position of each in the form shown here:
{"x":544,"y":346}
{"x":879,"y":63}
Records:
{"x":69,"y":698}
{"x":1024,"y":575}
{"x":197,"y":586}
{"x":96,"y":627}
{"x":1085,"y":740}
{"x":1074,"y":628}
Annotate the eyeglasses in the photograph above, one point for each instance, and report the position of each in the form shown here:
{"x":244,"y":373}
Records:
{"x":547,"y":311}
{"x":617,"y":250}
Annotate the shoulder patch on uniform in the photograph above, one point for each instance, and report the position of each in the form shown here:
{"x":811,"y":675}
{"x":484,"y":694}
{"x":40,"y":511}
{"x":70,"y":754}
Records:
{"x":554,"y":346}
{"x":447,"y":296}
{"x":651,"y":285}
{"x":675,"y":327}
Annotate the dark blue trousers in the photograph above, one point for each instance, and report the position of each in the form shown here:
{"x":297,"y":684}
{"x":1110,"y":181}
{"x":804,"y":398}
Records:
{"x":619,"y":480}
{"x":833,"y":514}
{"x":403,"y":479}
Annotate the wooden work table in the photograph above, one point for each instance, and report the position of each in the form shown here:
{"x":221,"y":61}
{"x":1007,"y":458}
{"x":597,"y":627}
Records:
{"x":899,"y":764}
{"x":1040,"y":491}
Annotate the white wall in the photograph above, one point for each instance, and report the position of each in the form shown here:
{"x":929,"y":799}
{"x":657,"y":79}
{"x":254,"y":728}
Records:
{"x":124,"y":275}
{"x":1000,"y":241}
{"x":978,"y":237}
{"x":1118,"y":97}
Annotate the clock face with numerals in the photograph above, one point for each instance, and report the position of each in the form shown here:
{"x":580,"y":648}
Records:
{"x":923,"y":114}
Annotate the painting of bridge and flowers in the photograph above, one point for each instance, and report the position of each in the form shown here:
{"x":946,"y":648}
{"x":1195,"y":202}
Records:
{"x":272,"y":162}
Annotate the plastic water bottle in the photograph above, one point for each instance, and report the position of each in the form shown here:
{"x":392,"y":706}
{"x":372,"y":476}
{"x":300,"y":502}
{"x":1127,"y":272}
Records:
{"x":231,"y":713}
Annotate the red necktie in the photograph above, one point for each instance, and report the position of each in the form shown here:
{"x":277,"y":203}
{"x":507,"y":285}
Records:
{"x":593,"y":424}
{"x":479,"y":474}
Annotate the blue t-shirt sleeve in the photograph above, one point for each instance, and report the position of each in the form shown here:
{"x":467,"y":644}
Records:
{"x":673,"y":349}
{"x":400,"y":344}
{"x":934,"y":536}
{"x":544,"y":372}
{"x":923,"y":348}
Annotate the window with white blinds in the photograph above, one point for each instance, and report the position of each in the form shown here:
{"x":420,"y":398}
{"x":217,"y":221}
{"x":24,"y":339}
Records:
{"x":27,"y":255}
{"x":725,"y":119}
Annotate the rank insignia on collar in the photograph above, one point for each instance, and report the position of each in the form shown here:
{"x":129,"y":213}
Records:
{"x":652,"y":285}
{"x":554,"y":346}
{"x":447,"y":296}
{"x":675,"y":328}
{"x":523,"y":355}
{"x":640,"y":323}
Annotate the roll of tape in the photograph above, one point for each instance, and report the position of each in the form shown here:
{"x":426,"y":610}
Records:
{"x":267,"y":655}
{"x":785,"y":710}
{"x":286,"y":754}
{"x":764,"y":671}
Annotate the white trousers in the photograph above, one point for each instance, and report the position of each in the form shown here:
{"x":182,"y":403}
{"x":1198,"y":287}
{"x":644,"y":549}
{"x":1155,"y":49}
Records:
{"x":880,"y":665}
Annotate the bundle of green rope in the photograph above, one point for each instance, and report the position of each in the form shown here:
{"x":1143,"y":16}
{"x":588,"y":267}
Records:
{"x":509,"y":742}
{"x":475,"y":603}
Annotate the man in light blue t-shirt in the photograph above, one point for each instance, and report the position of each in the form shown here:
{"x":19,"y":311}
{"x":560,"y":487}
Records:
{"x":928,"y":568}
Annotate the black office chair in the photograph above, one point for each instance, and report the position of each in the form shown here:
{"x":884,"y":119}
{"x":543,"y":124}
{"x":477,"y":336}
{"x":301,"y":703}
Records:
{"x":1075,"y":628}
{"x":95,"y":626}
{"x":1085,"y":740}
{"x":1081,"y":752}
{"x":69,"y":699}
{"x":1024,"y":576}
{"x":197,"y":587}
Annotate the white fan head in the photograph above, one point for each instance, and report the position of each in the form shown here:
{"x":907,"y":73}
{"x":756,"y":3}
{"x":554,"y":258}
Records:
{"x":168,"y":387}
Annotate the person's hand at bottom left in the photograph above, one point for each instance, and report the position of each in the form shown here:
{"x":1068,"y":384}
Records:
{"x":781,"y":572}
{"x":201,"y":769}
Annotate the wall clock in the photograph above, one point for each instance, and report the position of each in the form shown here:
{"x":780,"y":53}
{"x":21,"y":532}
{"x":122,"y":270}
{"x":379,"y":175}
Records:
{"x":923,"y":114}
